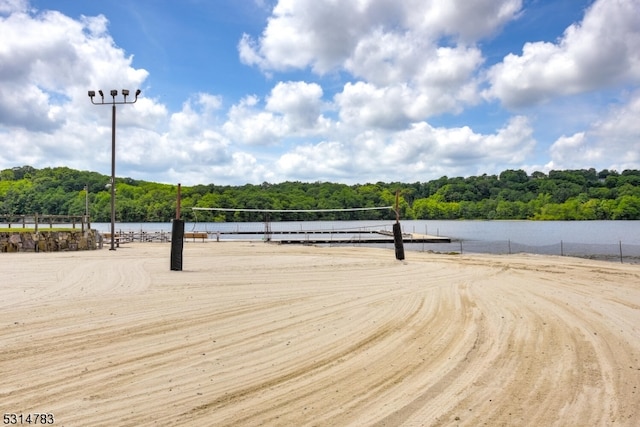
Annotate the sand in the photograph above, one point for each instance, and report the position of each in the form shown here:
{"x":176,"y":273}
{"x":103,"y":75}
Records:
{"x":262,"y":334}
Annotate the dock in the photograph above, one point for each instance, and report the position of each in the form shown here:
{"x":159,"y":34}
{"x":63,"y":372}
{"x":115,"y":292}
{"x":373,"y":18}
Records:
{"x":308,"y":237}
{"x":374,"y":237}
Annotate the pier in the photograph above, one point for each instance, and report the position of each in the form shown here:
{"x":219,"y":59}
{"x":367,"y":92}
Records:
{"x":357,"y":237}
{"x":282,"y":236}
{"x":333,"y":236}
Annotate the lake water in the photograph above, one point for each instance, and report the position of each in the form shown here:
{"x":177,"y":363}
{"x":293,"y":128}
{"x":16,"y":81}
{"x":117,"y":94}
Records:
{"x":526,"y":232}
{"x":598,"y":239}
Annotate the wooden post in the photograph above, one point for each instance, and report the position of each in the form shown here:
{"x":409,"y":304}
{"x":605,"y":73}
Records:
{"x":178,"y":201}
{"x":620,"y":244}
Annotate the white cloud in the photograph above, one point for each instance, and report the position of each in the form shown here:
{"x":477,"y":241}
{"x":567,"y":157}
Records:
{"x":326,"y":160}
{"x":414,"y":154}
{"x":437,"y":79}
{"x":49,"y":61}
{"x":601,"y":51}
{"x":390,"y":46}
{"x":611,"y":143}
{"x":189,"y":142}
{"x":327,"y":35}
{"x":622,"y":124}
{"x":196,"y":113}
{"x":47,"y":119}
{"x":240,"y":167}
{"x":568,"y":151}
{"x":365,"y":105}
{"x":468,"y":20}
{"x":304,"y":33}
{"x":291,"y":109}
{"x":389,"y":70}
{"x":395,"y":106}
{"x":248,"y":124}
{"x":300,"y":103}
{"x":426,"y":145}
{"x":11,"y":6}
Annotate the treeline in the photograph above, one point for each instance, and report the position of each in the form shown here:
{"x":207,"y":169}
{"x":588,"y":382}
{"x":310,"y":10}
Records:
{"x":513,"y":194}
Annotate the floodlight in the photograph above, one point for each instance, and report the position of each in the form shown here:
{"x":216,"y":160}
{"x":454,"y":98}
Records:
{"x":138,"y":92}
{"x":114,"y":92}
{"x":125,"y":92}
{"x":92,"y":93}
{"x":100,"y":92}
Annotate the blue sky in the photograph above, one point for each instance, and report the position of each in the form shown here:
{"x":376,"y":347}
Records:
{"x":237,"y":92}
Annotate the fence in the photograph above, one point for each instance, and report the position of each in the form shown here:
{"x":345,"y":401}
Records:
{"x":139,"y":236}
{"x":35,"y":221}
{"x":615,"y":251}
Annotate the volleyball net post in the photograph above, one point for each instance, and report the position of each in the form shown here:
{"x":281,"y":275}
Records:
{"x":177,"y":236}
{"x":397,"y":231}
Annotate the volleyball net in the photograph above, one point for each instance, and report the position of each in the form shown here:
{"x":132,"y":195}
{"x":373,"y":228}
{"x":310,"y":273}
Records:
{"x":259,"y":221}
{"x":293,"y":210}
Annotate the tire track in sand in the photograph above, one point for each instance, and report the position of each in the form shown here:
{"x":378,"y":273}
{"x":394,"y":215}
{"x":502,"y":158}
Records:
{"x":259,"y":334}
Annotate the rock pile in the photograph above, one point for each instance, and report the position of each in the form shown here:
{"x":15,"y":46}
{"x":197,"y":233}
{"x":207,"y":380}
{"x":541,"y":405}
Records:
{"x":48,"y":241}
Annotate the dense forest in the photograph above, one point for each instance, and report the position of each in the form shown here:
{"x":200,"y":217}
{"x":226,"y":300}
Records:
{"x":513,"y":194}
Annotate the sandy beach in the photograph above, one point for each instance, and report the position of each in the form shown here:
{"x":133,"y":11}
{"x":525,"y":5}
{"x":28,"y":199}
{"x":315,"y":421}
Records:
{"x":260,"y":334}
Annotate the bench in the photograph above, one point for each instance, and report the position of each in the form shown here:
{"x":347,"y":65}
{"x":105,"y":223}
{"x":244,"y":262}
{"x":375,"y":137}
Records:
{"x":196,"y":235}
{"x":116,"y":239}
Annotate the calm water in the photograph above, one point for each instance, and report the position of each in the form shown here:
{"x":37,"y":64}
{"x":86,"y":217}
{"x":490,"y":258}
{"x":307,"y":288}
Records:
{"x":526,"y":232}
{"x":598,"y":239}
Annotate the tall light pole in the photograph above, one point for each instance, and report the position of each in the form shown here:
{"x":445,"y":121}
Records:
{"x":113,"y":103}
{"x":86,"y":206}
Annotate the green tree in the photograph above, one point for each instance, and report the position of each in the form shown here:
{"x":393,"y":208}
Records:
{"x":628,"y":208}
{"x":569,"y":194}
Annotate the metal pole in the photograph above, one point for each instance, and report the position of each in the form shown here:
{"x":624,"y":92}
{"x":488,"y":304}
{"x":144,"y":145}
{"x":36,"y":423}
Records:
{"x":114,"y":93}
{"x":86,"y":208}
{"x":113,"y":176}
{"x":620,"y":243}
{"x":178,"y":201}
